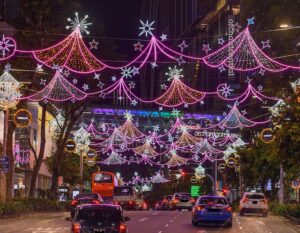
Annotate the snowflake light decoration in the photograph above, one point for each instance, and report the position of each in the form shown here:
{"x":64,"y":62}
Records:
{"x":225,"y":90}
{"x":174,"y":73}
{"x":146,"y":28}
{"x":7,"y":47}
{"x":126,"y":72}
{"x":79,"y":24}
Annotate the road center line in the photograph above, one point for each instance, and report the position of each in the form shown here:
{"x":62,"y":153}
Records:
{"x":142,"y":219}
{"x":260,"y":222}
{"x":166,"y":225}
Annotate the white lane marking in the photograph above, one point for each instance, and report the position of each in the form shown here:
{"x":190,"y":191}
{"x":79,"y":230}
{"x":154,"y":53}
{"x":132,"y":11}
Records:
{"x":156,"y":213}
{"x":202,"y":231}
{"x":142,"y":219}
{"x":241,"y":228}
{"x":171,"y":220}
{"x":166,"y":225}
{"x":160,"y":232}
{"x":260,"y":222}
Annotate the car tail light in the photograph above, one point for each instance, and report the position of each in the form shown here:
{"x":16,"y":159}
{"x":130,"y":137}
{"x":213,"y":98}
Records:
{"x":116,"y":203}
{"x":265,"y":201}
{"x":192,"y":200}
{"x":123,"y":228}
{"x":176,"y":201}
{"x":199,"y":207}
{"x":74,"y":202}
{"x":76,"y":228}
{"x":95,"y":202}
{"x":245,"y":200}
{"x":229,"y":209}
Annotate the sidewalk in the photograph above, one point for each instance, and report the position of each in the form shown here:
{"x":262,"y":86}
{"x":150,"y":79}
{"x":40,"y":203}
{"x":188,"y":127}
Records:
{"x":292,"y":222}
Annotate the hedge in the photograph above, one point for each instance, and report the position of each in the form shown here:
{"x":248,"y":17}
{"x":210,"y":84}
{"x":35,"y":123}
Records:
{"x":286,"y":209}
{"x":17,"y":207}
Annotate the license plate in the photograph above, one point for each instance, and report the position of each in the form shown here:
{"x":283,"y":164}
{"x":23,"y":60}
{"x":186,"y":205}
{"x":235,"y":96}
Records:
{"x":254,"y":202}
{"x":99,"y":231}
{"x":213,"y":207}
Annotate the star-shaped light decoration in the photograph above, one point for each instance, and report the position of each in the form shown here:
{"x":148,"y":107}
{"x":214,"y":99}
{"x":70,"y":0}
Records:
{"x":260,"y":88}
{"x":138,"y":46}
{"x":236,"y":27}
{"x":126,"y":72}
{"x":218,"y":118}
{"x":43,"y":82}
{"x":96,"y":76}
{"x":244,"y":112}
{"x":206,"y":48}
{"x":85,"y":87}
{"x":221,"y":68}
{"x":39,"y":68}
{"x":66,"y":73}
{"x":163,"y":37}
{"x":262,"y":71}
{"x":79,"y":24}
{"x":74,"y":81}
{"x":180,"y":60}
{"x":251,"y":21}
{"x":135,"y":71}
{"x":202,"y":102}
{"x":131,"y":85}
{"x":248,"y":80}
{"x":160,"y":108}
{"x":153,"y":64}
{"x":163,"y":86}
{"x":156,"y":128}
{"x":113,"y":78}
{"x":266,"y":44}
{"x":93,"y":44}
{"x":100,"y":84}
{"x":186,"y":105}
{"x":221,"y":41}
{"x":183,"y":45}
{"x":134,"y":102}
{"x":146,"y":28}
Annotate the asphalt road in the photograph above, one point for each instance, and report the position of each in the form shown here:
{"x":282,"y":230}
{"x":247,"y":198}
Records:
{"x":148,"y":222}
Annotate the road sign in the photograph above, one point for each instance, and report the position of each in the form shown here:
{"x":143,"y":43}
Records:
{"x":231,"y":162}
{"x":267,"y":135}
{"x":4,"y":163}
{"x":221,"y":167}
{"x":70,"y":145}
{"x":22,"y":118}
{"x":296,"y":184}
{"x":90,"y":162}
{"x":91,"y":154}
{"x":195,"y":190}
{"x":194,"y":180}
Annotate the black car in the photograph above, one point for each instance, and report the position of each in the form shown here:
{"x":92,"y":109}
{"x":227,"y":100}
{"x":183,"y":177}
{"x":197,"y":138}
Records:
{"x":85,"y":198}
{"x":103,"y":218}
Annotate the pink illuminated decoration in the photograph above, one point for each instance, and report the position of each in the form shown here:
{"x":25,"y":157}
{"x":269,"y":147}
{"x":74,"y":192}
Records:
{"x":114,"y":159}
{"x":58,"y":90}
{"x":159,"y":179}
{"x":223,"y":92}
{"x":146,"y":149}
{"x":128,"y":129}
{"x":186,"y":139}
{"x":235,"y":119}
{"x":7,"y":48}
{"x":175,"y":159}
{"x":245,"y":54}
{"x":204,"y":147}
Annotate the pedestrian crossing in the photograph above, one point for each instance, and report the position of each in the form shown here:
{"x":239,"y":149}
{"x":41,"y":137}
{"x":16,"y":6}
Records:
{"x":36,"y":230}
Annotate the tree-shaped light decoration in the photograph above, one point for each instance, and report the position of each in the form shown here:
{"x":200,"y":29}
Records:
{"x":114,"y":159}
{"x":58,"y":90}
{"x":145,"y":159}
{"x":82,"y":139}
{"x":278,"y":108}
{"x":245,"y":56}
{"x":175,"y":159}
{"x":178,"y":93}
{"x":249,"y":92}
{"x":146,"y":188}
{"x":158,"y":179}
{"x":204,"y":147}
{"x":239,"y":142}
{"x":234,"y":119}
{"x":128,"y":129}
{"x":71,"y":53}
{"x":296,"y":85}
{"x":146,"y":149}
{"x":186,"y":139}
{"x":229,"y":151}
{"x":9,"y":90}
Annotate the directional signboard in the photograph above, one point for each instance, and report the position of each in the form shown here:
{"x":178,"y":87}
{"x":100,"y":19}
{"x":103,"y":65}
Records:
{"x":91,"y":154}
{"x":70,"y":145}
{"x":195,"y":190}
{"x":221,"y":167}
{"x":194,"y":180}
{"x":267,"y":135}
{"x":231,"y":162}
{"x":4,"y":163}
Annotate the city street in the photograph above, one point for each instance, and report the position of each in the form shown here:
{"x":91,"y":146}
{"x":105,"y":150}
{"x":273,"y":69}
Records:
{"x":148,"y":222}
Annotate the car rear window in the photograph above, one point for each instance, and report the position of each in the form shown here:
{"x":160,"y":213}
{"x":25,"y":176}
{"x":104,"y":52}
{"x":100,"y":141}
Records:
{"x":100,"y":217}
{"x":180,"y":195}
{"x":255,"y":196}
{"x":103,"y":178}
{"x":87,"y":195}
{"x":123,"y":191}
{"x":213,"y":200}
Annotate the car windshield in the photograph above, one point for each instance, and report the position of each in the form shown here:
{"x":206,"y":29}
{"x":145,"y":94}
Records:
{"x":213,"y":200}
{"x":255,"y":196}
{"x":101,"y":217}
{"x":87,"y":195}
{"x":103,"y":178}
{"x":123,"y":191}
{"x":182,"y":195}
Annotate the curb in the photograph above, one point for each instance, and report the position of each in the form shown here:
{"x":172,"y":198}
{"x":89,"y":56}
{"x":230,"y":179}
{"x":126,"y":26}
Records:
{"x":292,"y":222}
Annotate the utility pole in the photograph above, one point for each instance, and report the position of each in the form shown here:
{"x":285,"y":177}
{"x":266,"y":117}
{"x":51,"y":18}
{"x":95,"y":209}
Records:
{"x":281,"y":188}
{"x":2,"y":173}
{"x":81,"y":171}
{"x":216,"y":175}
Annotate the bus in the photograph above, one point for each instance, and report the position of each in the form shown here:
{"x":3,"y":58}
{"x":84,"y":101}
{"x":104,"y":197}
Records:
{"x":104,"y":183}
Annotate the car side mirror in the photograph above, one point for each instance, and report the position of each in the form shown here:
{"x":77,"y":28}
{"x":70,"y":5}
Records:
{"x":126,"y":219}
{"x":68,"y":219}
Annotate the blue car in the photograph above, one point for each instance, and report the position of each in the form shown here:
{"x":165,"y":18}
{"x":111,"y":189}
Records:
{"x":211,"y":210}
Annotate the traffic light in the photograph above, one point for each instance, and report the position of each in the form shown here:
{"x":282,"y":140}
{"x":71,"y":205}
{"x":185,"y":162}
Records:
{"x":183,"y":173}
{"x":224,"y":192}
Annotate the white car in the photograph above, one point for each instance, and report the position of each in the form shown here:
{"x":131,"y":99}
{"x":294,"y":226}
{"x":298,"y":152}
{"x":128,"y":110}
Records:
{"x":254,"y":203}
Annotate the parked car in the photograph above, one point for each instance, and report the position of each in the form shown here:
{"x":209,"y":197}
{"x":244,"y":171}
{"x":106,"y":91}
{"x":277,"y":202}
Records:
{"x":212,"y":209}
{"x":85,"y":198}
{"x":254,"y":203}
{"x":158,"y":205}
{"x":181,"y":201}
{"x":99,"y":218}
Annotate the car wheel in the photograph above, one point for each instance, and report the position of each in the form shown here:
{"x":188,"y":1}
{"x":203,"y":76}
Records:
{"x":242,"y":213}
{"x":229,"y":225}
{"x":194,"y":223}
{"x":265,"y":214}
